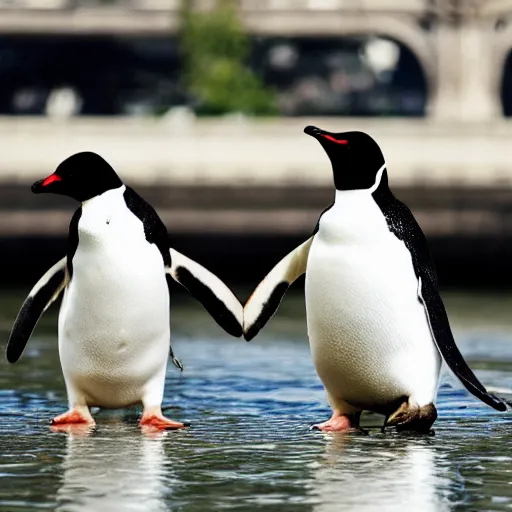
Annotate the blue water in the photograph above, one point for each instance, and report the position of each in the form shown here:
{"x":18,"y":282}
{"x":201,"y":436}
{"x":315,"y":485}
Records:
{"x":250,"y":446}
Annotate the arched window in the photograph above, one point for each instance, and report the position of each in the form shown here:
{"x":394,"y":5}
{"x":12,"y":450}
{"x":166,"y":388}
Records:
{"x":349,"y":76}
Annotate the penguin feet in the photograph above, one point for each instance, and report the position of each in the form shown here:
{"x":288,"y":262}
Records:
{"x":154,"y":419}
{"x":339,"y":422}
{"x":78,"y":417}
{"x":413,"y":418}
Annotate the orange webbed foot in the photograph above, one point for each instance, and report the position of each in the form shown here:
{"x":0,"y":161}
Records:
{"x":339,"y":423}
{"x":154,"y":419}
{"x":78,"y":419}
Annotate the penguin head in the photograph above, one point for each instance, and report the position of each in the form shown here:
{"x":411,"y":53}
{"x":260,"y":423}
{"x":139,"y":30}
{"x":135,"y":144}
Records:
{"x":81,"y":176}
{"x":355,"y":157}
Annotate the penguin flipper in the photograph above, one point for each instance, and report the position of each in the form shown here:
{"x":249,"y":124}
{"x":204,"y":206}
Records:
{"x":443,"y":337}
{"x":264,"y":301}
{"x":42,"y":295}
{"x":209,"y":290}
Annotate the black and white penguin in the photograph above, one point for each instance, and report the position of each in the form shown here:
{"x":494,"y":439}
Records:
{"x":114,"y":331}
{"x":377,"y":326}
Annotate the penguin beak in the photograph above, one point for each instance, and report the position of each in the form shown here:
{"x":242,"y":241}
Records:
{"x":313,"y":131}
{"x":324,"y":137}
{"x":48,"y":184}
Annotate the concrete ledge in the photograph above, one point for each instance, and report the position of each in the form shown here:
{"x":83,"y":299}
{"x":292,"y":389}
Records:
{"x":178,"y":151}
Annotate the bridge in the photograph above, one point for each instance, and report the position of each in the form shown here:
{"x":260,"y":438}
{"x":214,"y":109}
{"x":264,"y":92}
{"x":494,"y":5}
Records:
{"x":462,"y":45}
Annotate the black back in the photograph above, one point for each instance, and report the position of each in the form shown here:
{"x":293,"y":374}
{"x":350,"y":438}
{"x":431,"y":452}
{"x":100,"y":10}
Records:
{"x":403,"y":225}
{"x":154,"y":228}
{"x":73,"y":240}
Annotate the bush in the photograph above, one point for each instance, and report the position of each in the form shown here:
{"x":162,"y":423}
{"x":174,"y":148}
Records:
{"x":215,"y":50}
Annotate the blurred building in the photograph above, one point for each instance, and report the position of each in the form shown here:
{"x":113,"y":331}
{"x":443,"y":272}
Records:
{"x":444,"y":58}
{"x":431,"y":80}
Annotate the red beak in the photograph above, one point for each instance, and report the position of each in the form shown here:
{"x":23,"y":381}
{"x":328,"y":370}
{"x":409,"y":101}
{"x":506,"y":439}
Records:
{"x":50,"y":179}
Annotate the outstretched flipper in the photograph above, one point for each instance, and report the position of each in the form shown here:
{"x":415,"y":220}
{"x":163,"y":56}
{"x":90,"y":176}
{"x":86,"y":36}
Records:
{"x":403,"y":225}
{"x":44,"y":293}
{"x":265,"y":299}
{"x":209,"y":290}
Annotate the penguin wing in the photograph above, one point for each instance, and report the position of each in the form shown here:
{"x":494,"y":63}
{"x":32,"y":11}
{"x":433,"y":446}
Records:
{"x":403,"y":225}
{"x":265,"y":299}
{"x":209,"y":290}
{"x":442,"y":334}
{"x":42,"y":295}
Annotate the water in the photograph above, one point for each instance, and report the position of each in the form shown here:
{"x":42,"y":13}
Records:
{"x":250,"y":447}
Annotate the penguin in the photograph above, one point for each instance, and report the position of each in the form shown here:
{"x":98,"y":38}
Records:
{"x":114,"y":321}
{"x":377,"y":326}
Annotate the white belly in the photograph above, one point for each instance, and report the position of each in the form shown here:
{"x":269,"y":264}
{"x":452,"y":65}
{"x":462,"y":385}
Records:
{"x":114,"y":332}
{"x":369,"y":335}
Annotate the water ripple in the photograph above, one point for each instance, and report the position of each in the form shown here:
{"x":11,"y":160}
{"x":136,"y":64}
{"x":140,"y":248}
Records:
{"x":250,"y":446}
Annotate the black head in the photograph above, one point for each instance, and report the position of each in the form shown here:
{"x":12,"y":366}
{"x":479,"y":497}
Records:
{"x":81,"y":176}
{"x":355,"y":157}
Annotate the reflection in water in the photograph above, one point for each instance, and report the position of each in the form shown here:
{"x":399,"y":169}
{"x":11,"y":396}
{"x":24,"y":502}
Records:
{"x":124,"y":471}
{"x":401,"y":478}
{"x":249,"y":447}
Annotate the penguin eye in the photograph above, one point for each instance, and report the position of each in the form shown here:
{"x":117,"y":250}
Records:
{"x":336,"y":141}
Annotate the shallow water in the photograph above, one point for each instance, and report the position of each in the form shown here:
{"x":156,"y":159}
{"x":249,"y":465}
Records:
{"x":250,"y":447}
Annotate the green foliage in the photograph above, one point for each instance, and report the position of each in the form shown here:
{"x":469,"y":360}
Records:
{"x":215,"y":50}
